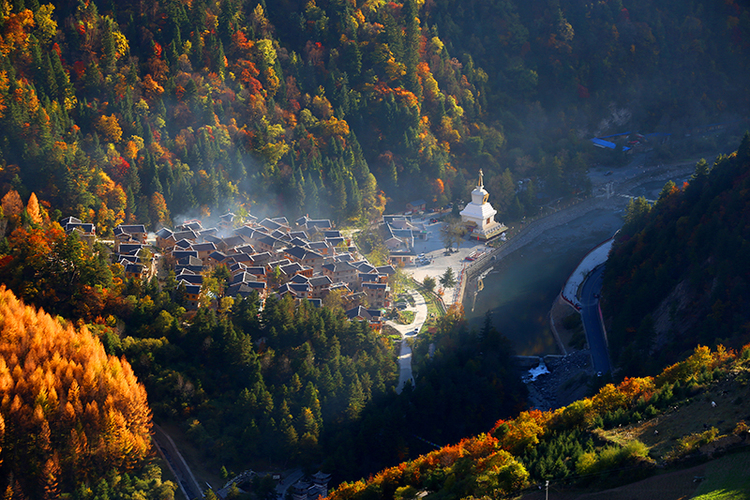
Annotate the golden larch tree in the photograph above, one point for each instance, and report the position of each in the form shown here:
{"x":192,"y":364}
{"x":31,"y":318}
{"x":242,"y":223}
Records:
{"x":71,"y":413}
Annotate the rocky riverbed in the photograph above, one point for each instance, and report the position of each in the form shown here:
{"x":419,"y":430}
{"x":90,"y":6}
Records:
{"x":567,"y":381}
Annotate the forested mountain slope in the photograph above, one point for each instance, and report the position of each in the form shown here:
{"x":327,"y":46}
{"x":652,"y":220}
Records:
{"x":148,"y":111}
{"x":593,"y":444}
{"x":70,"y":414}
{"x":678,"y":273}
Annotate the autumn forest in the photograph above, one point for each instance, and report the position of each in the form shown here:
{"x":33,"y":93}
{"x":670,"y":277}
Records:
{"x":156,"y":112}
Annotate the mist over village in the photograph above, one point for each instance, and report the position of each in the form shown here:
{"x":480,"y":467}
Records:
{"x":374,"y":250}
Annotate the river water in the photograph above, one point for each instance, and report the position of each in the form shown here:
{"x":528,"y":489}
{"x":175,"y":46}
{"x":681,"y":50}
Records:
{"x":520,"y":289}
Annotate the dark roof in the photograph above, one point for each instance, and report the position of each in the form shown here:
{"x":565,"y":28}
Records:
{"x":190,"y":261}
{"x":300,"y":287}
{"x":340,"y":284}
{"x":164,"y":233}
{"x":262,"y":257}
{"x":387,"y":270}
{"x":270,"y":224}
{"x":233,"y":241}
{"x":185,"y":235}
{"x":211,"y":231}
{"x":299,"y":234}
{"x":336,"y":267}
{"x":129,"y":248}
{"x":333,"y":233}
{"x":193,"y":279}
{"x":237,"y":267}
{"x":245,"y":231}
{"x":218,"y":256}
{"x":362,"y":312}
{"x":243,"y":276}
{"x":184,"y":244}
{"x":334,"y":242}
{"x":70,"y":220}
{"x":181,"y":254}
{"x":242,"y":257}
{"x":316,"y":303}
{"x":134,"y":268}
{"x":279,"y":263}
{"x":203,"y":247}
{"x":364,"y":266}
{"x":281,"y":220}
{"x":284,"y":289}
{"x":280,"y":235}
{"x":245,"y":288}
{"x":195,"y":225}
{"x":299,"y":242}
{"x":368,"y":277}
{"x":212,"y":238}
{"x":86,"y":227}
{"x":267,"y":239}
{"x":296,"y":252}
{"x":193,"y":289}
{"x":246,"y":249}
{"x":227,"y":217}
{"x":129,"y":229}
{"x":374,"y":286}
{"x":256,"y":270}
{"x":320,"y":281}
{"x":292,"y":268}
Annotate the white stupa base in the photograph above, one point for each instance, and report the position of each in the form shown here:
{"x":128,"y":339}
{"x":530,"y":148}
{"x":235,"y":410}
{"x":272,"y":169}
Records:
{"x":488,"y":232}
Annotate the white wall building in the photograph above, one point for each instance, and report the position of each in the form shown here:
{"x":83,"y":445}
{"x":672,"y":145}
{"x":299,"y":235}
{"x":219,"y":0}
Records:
{"x":480,"y":215}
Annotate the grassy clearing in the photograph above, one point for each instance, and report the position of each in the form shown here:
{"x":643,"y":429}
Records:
{"x":668,"y":431}
{"x":727,"y":478}
{"x":405,"y":317}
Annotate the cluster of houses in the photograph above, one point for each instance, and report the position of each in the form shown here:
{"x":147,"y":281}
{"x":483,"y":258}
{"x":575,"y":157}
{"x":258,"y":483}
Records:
{"x":400,"y":233}
{"x":308,"y":260}
{"x":312,"y":488}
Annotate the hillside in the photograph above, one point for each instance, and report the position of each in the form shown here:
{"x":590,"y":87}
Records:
{"x":124,"y":111}
{"x":678,"y":271}
{"x":593,"y":444}
{"x":70,"y":414}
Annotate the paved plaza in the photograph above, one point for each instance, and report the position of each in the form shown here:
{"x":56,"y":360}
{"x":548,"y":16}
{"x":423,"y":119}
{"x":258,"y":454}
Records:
{"x":433,"y":249}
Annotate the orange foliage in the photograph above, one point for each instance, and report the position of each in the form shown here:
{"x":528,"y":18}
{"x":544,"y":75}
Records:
{"x":701,"y":359}
{"x":63,"y":397}
{"x":32,"y":209}
{"x":109,"y":127}
{"x":12,"y":204}
{"x":151,"y":88}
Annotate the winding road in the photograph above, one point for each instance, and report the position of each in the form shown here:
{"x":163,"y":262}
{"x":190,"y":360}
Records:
{"x":592,"y":321}
{"x":406,"y":331}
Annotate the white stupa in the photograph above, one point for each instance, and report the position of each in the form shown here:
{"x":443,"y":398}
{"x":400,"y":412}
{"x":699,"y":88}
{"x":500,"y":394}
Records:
{"x":480,"y":215}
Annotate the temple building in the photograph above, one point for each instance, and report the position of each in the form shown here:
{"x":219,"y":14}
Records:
{"x":479,"y":214}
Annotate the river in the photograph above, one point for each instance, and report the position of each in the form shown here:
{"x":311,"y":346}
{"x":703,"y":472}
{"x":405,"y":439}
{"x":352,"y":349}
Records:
{"x":520,"y":289}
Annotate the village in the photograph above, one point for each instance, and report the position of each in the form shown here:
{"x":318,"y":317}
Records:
{"x":308,"y":259}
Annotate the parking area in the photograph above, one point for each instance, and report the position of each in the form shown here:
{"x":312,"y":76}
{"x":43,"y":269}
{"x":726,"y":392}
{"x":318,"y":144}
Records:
{"x":433,"y":260}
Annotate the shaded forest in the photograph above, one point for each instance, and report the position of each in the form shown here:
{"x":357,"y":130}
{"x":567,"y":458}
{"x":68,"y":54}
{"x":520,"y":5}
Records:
{"x":678,"y":272}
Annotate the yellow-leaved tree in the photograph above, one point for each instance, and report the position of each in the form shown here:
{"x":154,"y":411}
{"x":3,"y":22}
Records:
{"x":70,"y":412}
